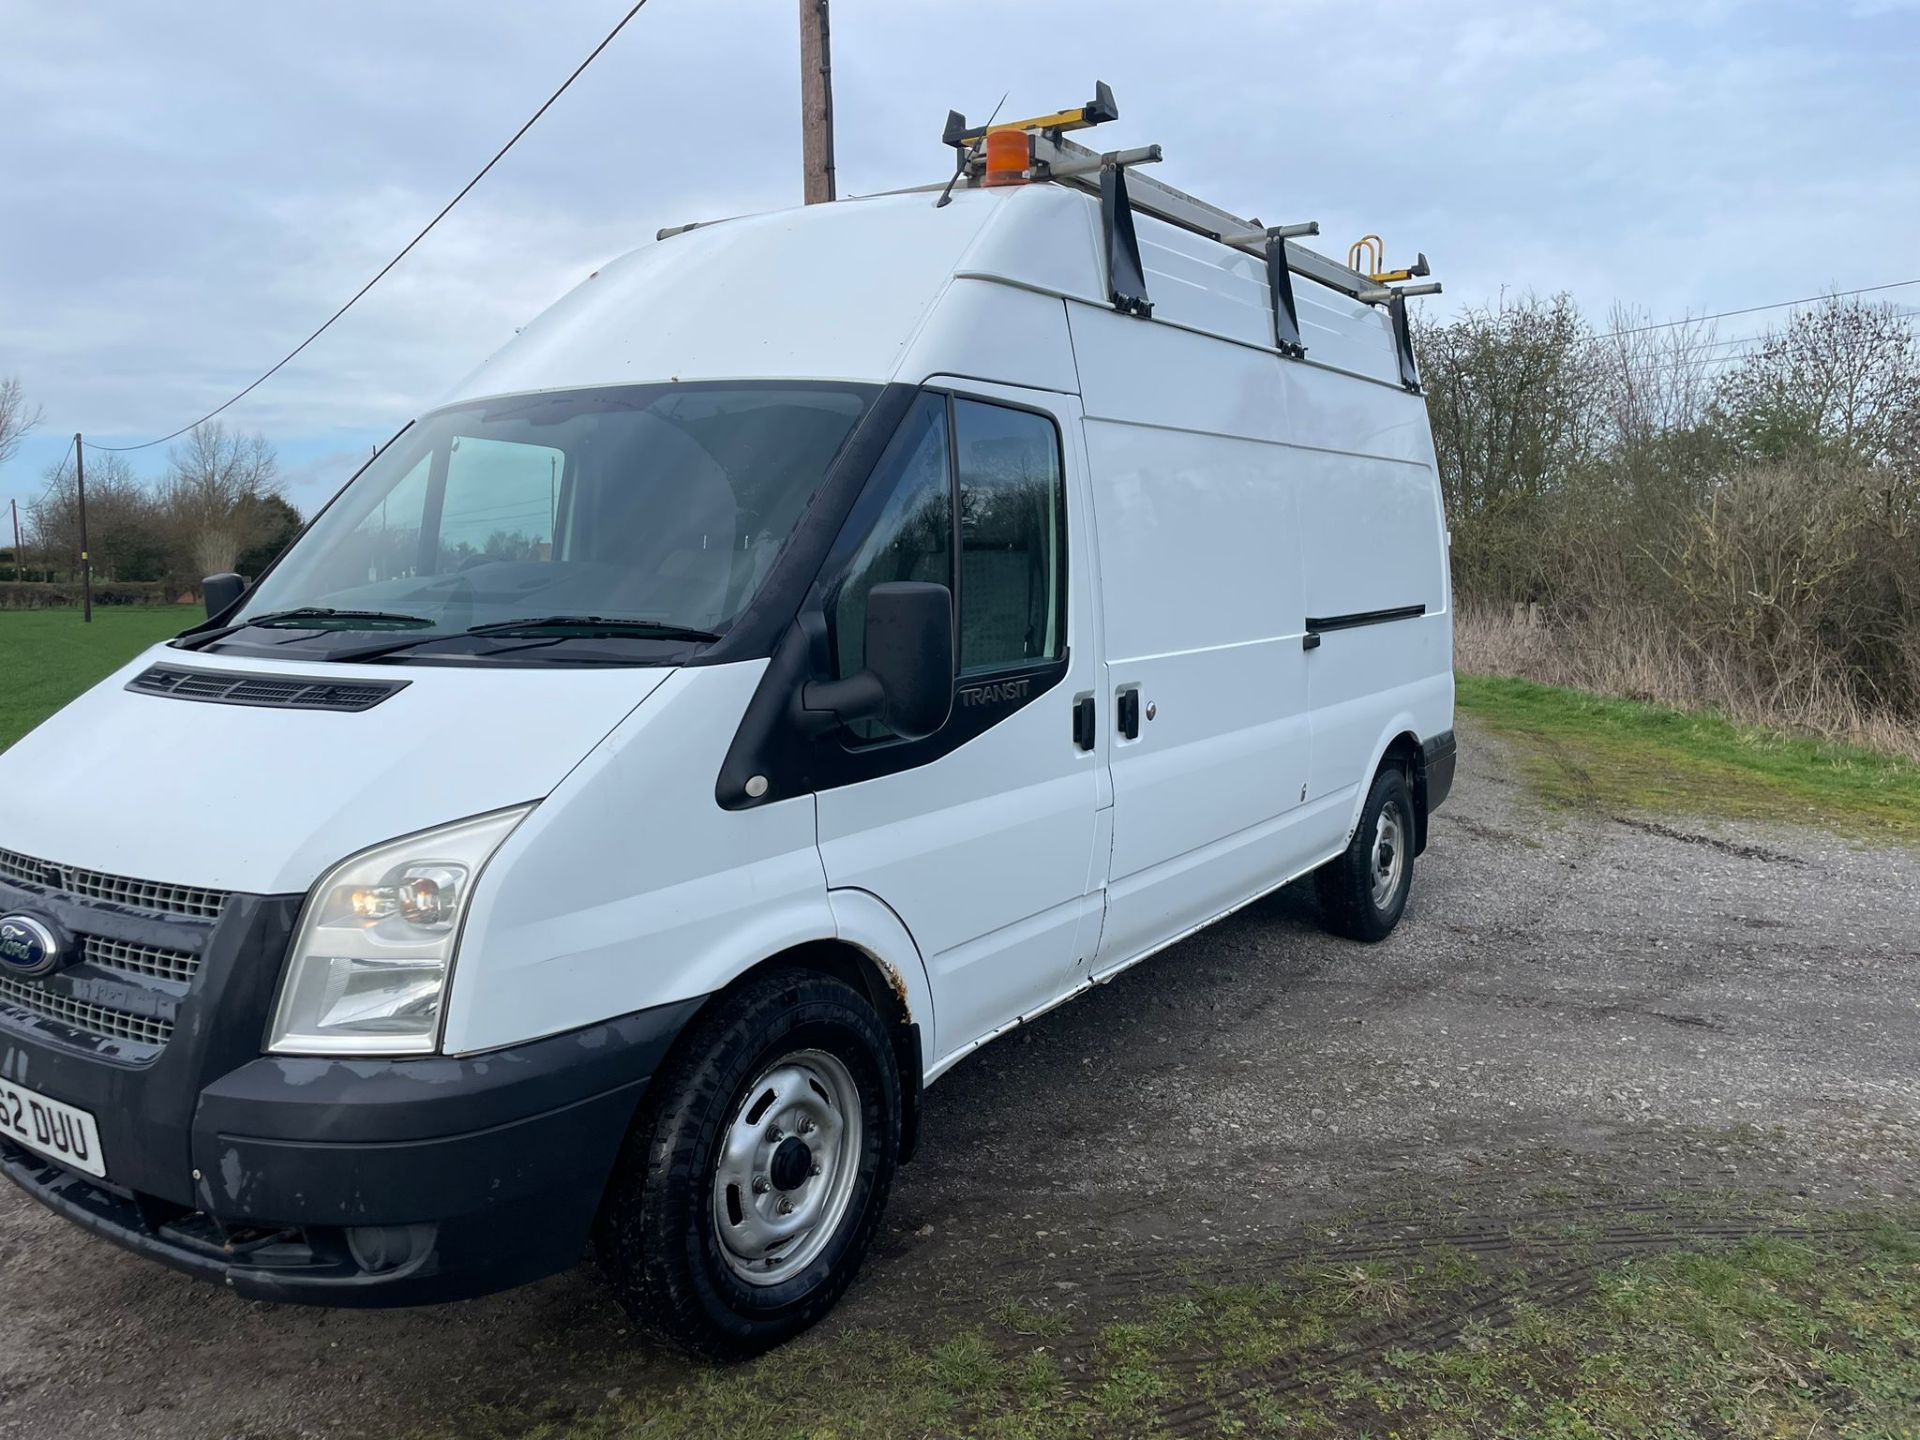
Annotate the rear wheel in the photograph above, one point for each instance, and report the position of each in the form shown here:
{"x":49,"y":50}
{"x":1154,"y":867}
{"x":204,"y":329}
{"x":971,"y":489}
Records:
{"x":756,"y":1174}
{"x":1363,"y":890}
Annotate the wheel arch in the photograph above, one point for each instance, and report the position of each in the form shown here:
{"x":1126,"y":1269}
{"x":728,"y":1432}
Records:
{"x":871,"y":952}
{"x":1399,"y":745}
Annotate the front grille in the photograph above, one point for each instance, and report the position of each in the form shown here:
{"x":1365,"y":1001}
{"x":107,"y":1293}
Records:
{"x":85,"y":1015}
{"x":271,"y":691}
{"x":22,"y":871}
{"x":192,"y":901}
{"x":132,"y":959}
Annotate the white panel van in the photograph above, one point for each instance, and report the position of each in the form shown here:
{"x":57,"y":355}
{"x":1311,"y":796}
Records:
{"x":820,"y":643}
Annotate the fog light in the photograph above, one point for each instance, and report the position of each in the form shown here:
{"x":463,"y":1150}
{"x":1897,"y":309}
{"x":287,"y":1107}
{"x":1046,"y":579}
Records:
{"x":381,"y":1249}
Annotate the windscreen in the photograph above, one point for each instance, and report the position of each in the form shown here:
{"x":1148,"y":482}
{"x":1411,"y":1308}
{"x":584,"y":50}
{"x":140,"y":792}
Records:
{"x":658,"y":503}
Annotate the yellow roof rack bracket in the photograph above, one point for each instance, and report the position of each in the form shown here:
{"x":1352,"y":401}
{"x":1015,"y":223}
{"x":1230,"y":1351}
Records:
{"x":1097,"y":111}
{"x":1369,"y":257}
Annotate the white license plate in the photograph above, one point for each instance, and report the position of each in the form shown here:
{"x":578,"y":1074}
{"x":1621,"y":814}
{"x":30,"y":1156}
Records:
{"x":57,"y":1131}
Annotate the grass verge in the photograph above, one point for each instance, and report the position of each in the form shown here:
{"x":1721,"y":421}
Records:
{"x":1622,"y":756}
{"x":50,"y":656}
{"x":1768,"y":1336}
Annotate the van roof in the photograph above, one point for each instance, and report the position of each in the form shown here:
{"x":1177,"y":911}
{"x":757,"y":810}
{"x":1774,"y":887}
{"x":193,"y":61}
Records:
{"x":840,"y":291}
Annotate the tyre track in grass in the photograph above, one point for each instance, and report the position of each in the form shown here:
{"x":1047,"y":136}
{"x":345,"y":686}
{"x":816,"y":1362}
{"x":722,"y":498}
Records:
{"x":1565,"y":1279}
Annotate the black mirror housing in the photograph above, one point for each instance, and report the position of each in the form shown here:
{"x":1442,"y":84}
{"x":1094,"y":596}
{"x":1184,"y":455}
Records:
{"x":908,"y":681}
{"x":222,"y":593}
{"x":910,"y":652}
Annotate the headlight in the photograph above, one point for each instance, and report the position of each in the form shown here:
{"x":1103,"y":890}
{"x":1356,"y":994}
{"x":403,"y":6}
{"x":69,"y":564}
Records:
{"x":369,"y":968}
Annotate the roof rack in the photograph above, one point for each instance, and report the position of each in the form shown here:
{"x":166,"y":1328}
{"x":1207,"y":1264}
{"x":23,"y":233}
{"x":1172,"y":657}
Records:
{"x":1053,"y":157}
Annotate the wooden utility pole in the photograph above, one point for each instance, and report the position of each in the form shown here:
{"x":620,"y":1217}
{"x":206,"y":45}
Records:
{"x":14,"y":506}
{"x":86,"y":560}
{"x":816,"y":101}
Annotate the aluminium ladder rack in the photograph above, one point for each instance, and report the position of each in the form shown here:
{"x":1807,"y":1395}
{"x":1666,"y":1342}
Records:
{"x":1053,"y":157}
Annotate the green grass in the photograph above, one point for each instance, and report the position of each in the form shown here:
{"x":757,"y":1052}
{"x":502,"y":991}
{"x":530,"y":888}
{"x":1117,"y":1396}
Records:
{"x":1623,"y":757}
{"x":1766,"y":1337}
{"x":50,"y":656}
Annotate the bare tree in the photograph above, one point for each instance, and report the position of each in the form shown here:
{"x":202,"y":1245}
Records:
{"x":1840,"y":377}
{"x":1903,"y":464}
{"x":1654,"y":381}
{"x":123,"y":535}
{"x":210,"y":496}
{"x":16,"y":418}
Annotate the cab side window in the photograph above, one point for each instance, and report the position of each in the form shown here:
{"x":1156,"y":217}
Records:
{"x":1012,"y":537}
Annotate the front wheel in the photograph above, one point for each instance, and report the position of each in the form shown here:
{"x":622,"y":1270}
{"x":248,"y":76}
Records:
{"x":1363,"y":890}
{"x":757,"y":1172}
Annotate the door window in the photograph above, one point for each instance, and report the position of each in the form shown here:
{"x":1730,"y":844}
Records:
{"x":1012,"y":537}
{"x":990,"y":478}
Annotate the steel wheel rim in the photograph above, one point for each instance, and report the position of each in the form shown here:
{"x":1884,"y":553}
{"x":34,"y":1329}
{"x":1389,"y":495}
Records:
{"x":789,"y":1158}
{"x":1389,"y":856}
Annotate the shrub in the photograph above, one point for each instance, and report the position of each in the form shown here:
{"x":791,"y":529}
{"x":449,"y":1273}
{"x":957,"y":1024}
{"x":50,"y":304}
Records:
{"x":1678,"y":535}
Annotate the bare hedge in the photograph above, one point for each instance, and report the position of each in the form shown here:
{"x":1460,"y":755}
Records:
{"x":1739,"y":533}
{"x":31,"y":595}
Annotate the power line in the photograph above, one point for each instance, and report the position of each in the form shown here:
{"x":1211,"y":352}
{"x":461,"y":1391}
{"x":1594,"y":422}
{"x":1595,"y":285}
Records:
{"x":498,"y":156}
{"x":60,"y":473}
{"x":1757,"y":309}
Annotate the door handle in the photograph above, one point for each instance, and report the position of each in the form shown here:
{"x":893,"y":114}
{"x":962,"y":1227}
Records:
{"x":1128,"y":714}
{"x":1085,"y":717}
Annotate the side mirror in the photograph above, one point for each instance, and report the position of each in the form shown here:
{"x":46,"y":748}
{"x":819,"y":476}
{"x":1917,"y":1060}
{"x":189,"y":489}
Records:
{"x":908,"y":682}
{"x":222,"y":593}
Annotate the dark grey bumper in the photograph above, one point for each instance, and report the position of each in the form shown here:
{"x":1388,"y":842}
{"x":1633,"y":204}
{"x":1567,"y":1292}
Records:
{"x":399,"y":1182}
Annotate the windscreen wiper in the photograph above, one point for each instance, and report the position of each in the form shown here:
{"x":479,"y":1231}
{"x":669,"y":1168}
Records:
{"x":359,"y":619}
{"x":547,"y":629}
{"x":595,"y":625}
{"x":356,"y":619}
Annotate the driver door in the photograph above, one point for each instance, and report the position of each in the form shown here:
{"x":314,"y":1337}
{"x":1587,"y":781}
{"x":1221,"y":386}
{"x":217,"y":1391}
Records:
{"x":982,"y":836}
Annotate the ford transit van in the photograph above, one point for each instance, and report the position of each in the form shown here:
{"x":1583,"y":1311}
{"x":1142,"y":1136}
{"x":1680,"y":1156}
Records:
{"x":821,"y":643}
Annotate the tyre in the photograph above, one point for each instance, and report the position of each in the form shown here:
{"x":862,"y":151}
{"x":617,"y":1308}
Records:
{"x":757,"y":1169}
{"x":1363,"y":890}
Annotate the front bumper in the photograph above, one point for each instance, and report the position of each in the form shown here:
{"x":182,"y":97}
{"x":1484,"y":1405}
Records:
{"x":347,"y":1182}
{"x":377,"y":1183}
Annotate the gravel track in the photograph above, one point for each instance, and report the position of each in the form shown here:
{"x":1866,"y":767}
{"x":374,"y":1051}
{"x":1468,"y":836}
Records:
{"x":1584,"y":1019}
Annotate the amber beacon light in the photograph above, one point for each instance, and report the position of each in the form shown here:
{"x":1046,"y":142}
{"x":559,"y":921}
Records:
{"x":1008,"y":154}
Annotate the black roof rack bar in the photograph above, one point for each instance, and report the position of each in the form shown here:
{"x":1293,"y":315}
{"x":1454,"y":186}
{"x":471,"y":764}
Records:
{"x":1403,"y":342}
{"x":1126,"y":276}
{"x":1286,"y":316}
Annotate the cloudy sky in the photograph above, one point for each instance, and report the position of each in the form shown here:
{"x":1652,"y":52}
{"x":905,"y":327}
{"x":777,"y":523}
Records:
{"x":186,"y":191}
